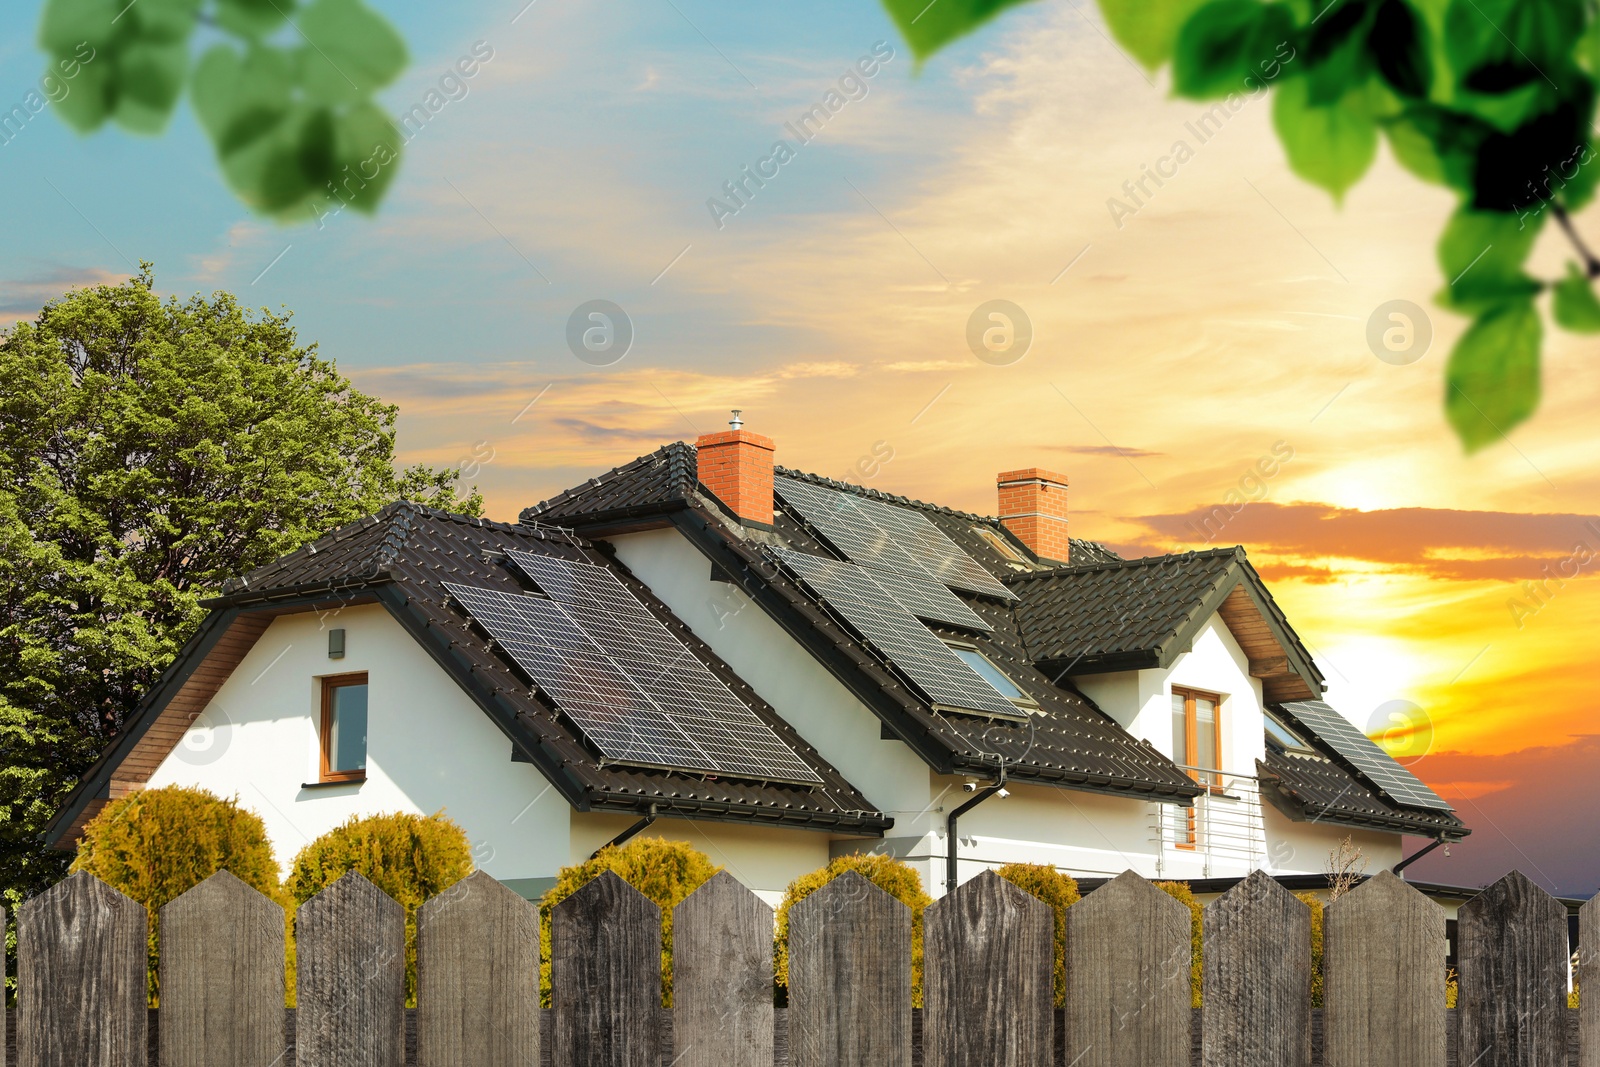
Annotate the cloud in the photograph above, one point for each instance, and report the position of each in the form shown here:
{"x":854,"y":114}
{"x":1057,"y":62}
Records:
{"x":1104,"y":450}
{"x":26,"y":297}
{"x":1448,"y":543}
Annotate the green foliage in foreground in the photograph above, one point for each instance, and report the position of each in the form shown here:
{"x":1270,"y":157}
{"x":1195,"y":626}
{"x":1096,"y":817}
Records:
{"x":286,"y":94}
{"x":1492,"y":99}
{"x":149,"y":450}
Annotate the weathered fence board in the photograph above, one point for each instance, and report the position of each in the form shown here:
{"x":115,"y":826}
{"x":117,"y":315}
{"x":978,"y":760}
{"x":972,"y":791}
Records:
{"x":988,"y":983}
{"x":222,"y":977}
{"x":850,"y":977}
{"x":81,"y":985}
{"x":478,"y":977}
{"x":721,"y":977}
{"x":350,"y":982}
{"x":1256,"y":982}
{"x":1513,"y":952}
{"x":1129,"y":950}
{"x":605,"y":978}
{"x":1383,"y":978}
{"x":1589,"y":984}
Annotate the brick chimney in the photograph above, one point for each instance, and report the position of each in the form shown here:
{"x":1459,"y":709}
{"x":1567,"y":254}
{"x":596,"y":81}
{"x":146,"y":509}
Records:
{"x":1033,"y":505}
{"x":736,"y":466}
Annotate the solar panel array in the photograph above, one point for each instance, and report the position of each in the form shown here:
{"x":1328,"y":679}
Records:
{"x":888,"y":537}
{"x":1364,"y":756}
{"x":898,"y":635}
{"x":638,"y":693}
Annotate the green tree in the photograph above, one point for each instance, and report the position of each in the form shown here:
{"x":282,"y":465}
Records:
{"x":286,"y":96}
{"x":1492,"y":99}
{"x":150,"y":450}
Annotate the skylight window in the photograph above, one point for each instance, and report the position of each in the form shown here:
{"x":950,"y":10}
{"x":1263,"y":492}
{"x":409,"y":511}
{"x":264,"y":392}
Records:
{"x":993,"y":675}
{"x":998,"y":543}
{"x":1281,"y":737}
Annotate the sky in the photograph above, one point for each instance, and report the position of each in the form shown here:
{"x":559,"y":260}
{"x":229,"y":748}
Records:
{"x":1186,"y":335}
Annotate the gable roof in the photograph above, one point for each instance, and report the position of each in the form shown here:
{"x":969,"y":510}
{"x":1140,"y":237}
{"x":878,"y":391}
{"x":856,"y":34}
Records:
{"x":1142,"y":613}
{"x":400,"y":558}
{"x":1311,"y":787}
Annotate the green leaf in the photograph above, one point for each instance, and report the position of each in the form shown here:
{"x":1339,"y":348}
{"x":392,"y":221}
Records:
{"x":163,"y":21}
{"x":1492,"y":381}
{"x":1497,"y":45}
{"x":366,"y":156}
{"x":90,"y":96}
{"x":150,"y":80}
{"x":69,"y":23}
{"x":1481,"y":255}
{"x":1438,"y":144}
{"x":1331,"y":145}
{"x":1225,"y":45}
{"x":240,"y":98}
{"x":253,"y":19}
{"x":1574,"y":304}
{"x":929,"y":27}
{"x":351,"y":51}
{"x":1399,"y":44}
{"x":1525,"y":168}
{"x":1148,"y":29}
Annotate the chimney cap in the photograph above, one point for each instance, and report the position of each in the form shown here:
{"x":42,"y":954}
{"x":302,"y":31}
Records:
{"x":736,"y":422}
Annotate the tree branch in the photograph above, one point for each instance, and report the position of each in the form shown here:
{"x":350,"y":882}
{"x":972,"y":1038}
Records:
{"x":1590,"y":263}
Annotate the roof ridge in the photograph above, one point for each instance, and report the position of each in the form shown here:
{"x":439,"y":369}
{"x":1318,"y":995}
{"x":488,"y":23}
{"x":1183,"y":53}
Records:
{"x":878,"y":494}
{"x":675,"y":453}
{"x":1141,"y":561}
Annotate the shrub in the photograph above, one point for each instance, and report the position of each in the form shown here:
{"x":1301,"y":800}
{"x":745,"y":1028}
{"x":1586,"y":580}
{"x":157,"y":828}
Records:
{"x":1181,"y":892}
{"x":899,"y":880}
{"x":1058,"y":890}
{"x":409,"y":857}
{"x":664,"y":871}
{"x":1312,"y":901}
{"x":157,"y":844}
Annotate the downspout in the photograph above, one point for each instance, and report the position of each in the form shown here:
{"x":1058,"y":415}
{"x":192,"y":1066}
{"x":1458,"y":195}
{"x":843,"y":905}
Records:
{"x":628,"y":834}
{"x":950,"y":829}
{"x":1408,"y":861}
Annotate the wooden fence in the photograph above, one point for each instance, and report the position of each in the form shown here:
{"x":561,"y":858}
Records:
{"x":989,"y":950}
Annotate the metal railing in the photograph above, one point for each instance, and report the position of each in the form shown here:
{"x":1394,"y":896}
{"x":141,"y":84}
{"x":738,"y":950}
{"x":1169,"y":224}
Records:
{"x":1225,"y":825}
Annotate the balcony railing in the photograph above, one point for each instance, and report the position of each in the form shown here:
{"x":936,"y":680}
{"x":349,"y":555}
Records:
{"x":1225,"y":826}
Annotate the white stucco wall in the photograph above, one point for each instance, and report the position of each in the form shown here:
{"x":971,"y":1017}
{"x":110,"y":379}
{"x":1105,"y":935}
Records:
{"x":429,"y":747}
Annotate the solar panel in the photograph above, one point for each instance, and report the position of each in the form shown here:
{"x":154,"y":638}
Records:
{"x":933,"y":548}
{"x":1364,"y":756}
{"x":926,"y":600}
{"x":637,"y":692}
{"x":896,"y":633}
{"x":848,"y":528}
{"x":673,"y":677}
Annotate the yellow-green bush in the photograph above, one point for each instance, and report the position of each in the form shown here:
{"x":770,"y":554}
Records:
{"x":1058,"y":890}
{"x":665,"y":871}
{"x":157,"y":844}
{"x":409,"y":857}
{"x":899,"y":880}
{"x":1181,"y":892}
{"x":1314,"y":902}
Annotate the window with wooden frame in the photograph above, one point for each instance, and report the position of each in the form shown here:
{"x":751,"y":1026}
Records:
{"x":344,"y":728}
{"x":1197,"y":743}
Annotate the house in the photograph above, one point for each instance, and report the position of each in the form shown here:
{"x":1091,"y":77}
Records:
{"x":780,"y":668}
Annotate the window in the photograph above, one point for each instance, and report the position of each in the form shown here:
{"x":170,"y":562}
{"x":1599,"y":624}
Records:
{"x":1197,"y":743}
{"x":993,"y":675}
{"x":998,"y":543}
{"x":1281,"y":737}
{"x":344,"y":728}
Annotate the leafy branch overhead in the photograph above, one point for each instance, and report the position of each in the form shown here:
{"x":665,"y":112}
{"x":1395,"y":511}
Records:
{"x":283,"y":90}
{"x":1493,"y":99}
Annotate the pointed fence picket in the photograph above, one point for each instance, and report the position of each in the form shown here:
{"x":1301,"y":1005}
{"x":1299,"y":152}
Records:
{"x":850,"y":977}
{"x":82,"y":985}
{"x":988,"y":978}
{"x":721,"y":977}
{"x":1129,"y":952}
{"x":1513,"y":954}
{"x":1256,"y":981}
{"x":222,"y":977}
{"x":605,"y":976}
{"x":478,"y":977}
{"x":1383,"y":978}
{"x":350,"y":977}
